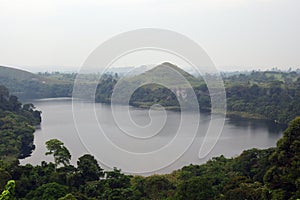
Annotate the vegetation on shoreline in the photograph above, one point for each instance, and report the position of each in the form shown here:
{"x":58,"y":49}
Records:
{"x":259,"y":95}
{"x":271,"y":95}
{"x":256,"y":174}
{"x":17,"y":123}
{"x":272,"y":173}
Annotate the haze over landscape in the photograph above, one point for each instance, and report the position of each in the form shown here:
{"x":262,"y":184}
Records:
{"x":237,"y":34}
{"x":189,"y":100}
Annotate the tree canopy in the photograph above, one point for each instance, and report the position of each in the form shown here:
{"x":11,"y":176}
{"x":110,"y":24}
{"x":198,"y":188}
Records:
{"x":60,"y":153}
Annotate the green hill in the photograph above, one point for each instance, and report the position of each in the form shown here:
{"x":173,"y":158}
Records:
{"x":19,"y":75}
{"x":28,"y":85}
{"x":167,"y":74}
{"x":166,"y":84}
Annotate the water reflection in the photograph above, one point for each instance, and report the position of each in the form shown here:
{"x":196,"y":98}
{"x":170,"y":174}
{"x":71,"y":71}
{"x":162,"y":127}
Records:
{"x":257,"y":124}
{"x":237,"y":135}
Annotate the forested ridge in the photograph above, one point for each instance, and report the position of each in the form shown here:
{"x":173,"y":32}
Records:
{"x":272,"y":173}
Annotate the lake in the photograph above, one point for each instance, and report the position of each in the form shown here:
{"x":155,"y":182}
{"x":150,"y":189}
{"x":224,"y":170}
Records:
{"x":149,"y":142}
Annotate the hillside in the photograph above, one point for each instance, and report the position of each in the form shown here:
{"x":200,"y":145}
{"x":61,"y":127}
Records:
{"x":165,"y":84}
{"x":20,"y":75}
{"x":168,"y":74}
{"x":27,"y":85}
{"x":268,"y":95}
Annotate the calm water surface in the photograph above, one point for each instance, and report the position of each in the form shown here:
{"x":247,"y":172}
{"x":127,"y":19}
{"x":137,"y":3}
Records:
{"x":58,"y":122}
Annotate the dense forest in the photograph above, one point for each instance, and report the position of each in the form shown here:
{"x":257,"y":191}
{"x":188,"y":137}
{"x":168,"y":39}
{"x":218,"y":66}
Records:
{"x":17,"y":123}
{"x":272,"y":173}
{"x":269,"y":95}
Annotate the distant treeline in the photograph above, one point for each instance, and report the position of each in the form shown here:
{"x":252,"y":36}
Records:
{"x":263,"y":95}
{"x":35,"y":89}
{"x":272,"y":95}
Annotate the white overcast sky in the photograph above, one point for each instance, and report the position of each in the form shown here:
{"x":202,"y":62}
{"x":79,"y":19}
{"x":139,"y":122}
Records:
{"x":237,"y":34}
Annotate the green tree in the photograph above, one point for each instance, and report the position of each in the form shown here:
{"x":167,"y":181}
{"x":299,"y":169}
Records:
{"x":283,"y":177}
{"x":117,"y":185}
{"x":158,"y":187}
{"x":59,"y":151}
{"x":49,"y":191}
{"x":89,"y":168}
{"x":195,"y":188}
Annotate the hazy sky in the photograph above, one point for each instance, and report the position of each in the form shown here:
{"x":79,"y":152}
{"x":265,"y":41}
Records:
{"x":236,"y":34}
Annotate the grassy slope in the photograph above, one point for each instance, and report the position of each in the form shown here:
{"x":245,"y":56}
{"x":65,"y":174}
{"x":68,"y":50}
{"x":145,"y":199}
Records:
{"x":169,"y":73}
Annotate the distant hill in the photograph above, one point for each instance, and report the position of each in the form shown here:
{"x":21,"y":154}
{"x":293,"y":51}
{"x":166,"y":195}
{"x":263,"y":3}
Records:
{"x":260,"y":95}
{"x":167,"y":73}
{"x":165,"y":84}
{"x":19,"y":75}
{"x":129,"y":71}
{"x":28,"y":85}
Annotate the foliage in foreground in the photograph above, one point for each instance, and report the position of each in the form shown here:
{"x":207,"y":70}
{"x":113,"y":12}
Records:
{"x":16,"y":126}
{"x":272,"y":173}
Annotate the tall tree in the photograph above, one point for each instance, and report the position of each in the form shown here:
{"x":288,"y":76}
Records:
{"x":283,"y":176}
{"x":59,"y":151}
{"x":89,"y":168}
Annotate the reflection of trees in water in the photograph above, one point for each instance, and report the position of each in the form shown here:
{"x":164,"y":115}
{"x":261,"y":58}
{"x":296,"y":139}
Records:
{"x":256,"y":124}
